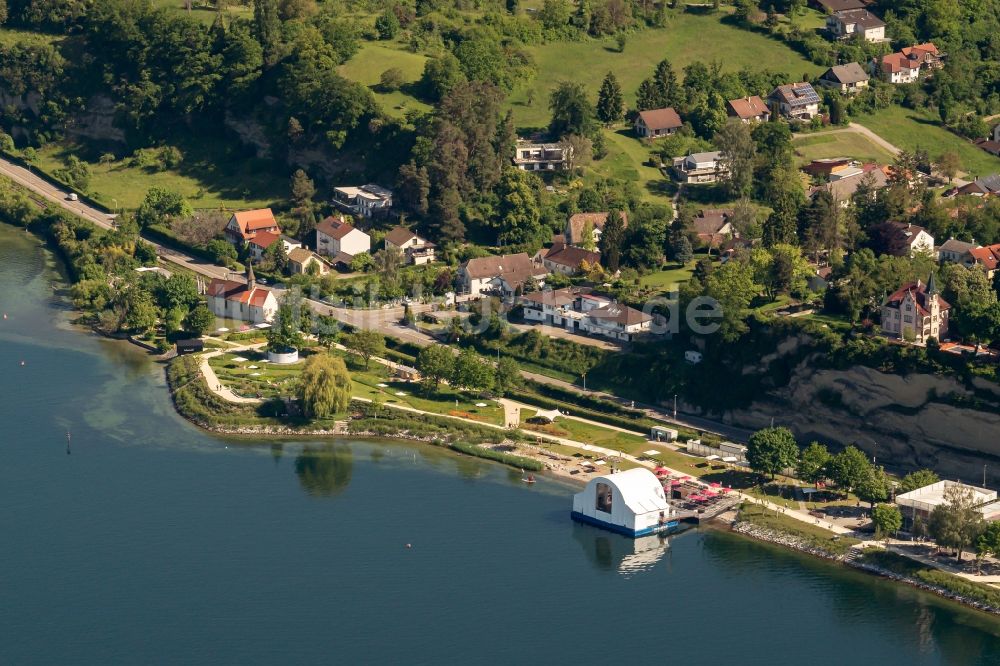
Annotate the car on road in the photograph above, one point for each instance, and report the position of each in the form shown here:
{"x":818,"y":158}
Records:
{"x":73,"y":196}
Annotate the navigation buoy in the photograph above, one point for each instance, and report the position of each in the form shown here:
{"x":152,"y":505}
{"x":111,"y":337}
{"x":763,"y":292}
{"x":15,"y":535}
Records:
{"x":409,"y":545}
{"x":22,"y":363}
{"x":4,"y":315}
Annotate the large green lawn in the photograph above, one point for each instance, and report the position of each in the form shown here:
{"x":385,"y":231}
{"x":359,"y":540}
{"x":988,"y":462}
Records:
{"x":686,"y":39}
{"x":628,"y":159}
{"x":213,"y":174}
{"x":668,"y":279}
{"x":839,"y":144}
{"x":203,"y":11}
{"x":367,"y":65}
{"x":11,"y":36}
{"x":911,"y":130}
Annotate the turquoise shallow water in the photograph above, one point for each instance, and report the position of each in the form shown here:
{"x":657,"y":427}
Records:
{"x":154,"y":542}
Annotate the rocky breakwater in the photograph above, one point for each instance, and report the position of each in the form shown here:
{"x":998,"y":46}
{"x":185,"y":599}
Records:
{"x":782,"y":539}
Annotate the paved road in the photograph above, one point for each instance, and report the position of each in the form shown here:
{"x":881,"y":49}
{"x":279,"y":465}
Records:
{"x":60,"y":196}
{"x":384,"y":320}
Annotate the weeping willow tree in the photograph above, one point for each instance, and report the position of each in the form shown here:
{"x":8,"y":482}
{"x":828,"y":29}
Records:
{"x":324,"y":387}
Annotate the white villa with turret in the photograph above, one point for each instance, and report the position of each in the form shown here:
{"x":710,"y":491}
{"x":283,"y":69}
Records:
{"x":916,"y":312}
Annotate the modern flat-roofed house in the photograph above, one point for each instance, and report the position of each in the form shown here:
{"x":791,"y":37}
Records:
{"x":748,"y":109}
{"x":368,"y":200}
{"x":655,"y":123}
{"x":531,"y":156}
{"x":952,"y":251}
{"x":503,"y":275}
{"x":243,"y":302}
{"x":848,"y":79}
{"x":795,"y":101}
{"x":245,"y":225}
{"x":418,"y":251}
{"x":848,"y":23}
{"x":341,"y":241}
{"x":699,"y":168}
{"x":578,"y":223}
{"x":916,"y":312}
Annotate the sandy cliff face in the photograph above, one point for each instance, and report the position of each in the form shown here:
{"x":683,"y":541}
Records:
{"x":906,"y":422}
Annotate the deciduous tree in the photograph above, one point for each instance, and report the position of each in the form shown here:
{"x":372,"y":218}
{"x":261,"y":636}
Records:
{"x":324,"y":386}
{"x":771,"y":450}
{"x":918,"y":479}
{"x":957,"y":523}
{"x":365,"y":343}
{"x":435,"y":363}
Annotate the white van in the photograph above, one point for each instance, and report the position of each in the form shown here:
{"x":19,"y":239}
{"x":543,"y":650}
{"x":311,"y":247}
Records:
{"x":73,"y":196}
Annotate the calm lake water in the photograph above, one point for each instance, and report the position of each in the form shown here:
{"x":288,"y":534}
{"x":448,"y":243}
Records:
{"x":153,"y":542}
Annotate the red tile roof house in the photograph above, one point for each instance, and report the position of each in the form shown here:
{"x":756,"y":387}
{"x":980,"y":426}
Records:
{"x":417,"y":250}
{"x":916,"y":312}
{"x":748,"y":109}
{"x":504,"y":274}
{"x":904,"y":67}
{"x":243,"y":302}
{"x":340,"y":240}
{"x":712,"y":226}
{"x":987,"y":258}
{"x":657,"y":122}
{"x":259,"y":244}
{"x":578,"y":222}
{"x":245,"y":225}
{"x":567,"y":259}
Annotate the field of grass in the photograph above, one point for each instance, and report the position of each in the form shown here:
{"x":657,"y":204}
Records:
{"x":839,"y":144}
{"x":203,"y":11}
{"x":667,"y":279}
{"x":255,"y":376}
{"x":628,"y":159}
{"x":445,"y":401}
{"x":213,"y":174}
{"x":687,"y":38}
{"x":11,"y":36}
{"x":367,"y":66}
{"x":910,"y":130}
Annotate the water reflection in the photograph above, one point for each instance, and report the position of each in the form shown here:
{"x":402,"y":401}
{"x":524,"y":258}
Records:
{"x":934,"y":625}
{"x":325,"y":470}
{"x":614,"y":552}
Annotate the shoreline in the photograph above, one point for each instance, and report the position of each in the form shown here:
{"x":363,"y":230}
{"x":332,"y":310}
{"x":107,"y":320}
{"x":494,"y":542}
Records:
{"x":554,"y":472}
{"x":791,"y":542}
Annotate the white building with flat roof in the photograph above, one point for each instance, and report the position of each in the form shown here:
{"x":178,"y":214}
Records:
{"x":920,"y":503}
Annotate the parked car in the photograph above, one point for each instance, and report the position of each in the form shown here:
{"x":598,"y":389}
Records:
{"x":73,"y":196}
